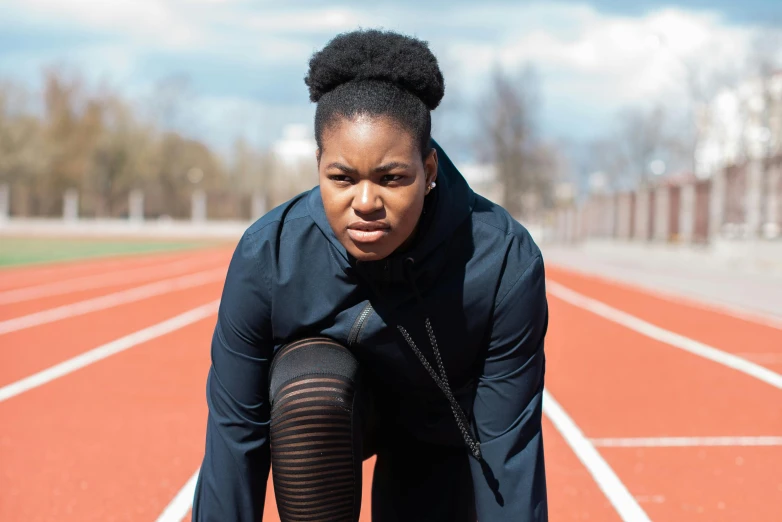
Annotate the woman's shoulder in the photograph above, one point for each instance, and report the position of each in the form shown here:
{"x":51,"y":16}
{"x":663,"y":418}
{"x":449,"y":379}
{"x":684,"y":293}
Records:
{"x":494,"y":226}
{"x":278,"y":218}
{"x":284,"y":228}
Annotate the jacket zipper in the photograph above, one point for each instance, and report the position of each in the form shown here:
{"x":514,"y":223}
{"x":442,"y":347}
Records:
{"x":355,"y":331}
{"x":358,"y":325}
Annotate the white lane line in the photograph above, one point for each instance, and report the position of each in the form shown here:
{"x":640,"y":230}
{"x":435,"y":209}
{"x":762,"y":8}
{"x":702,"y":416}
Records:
{"x":660,"y":334}
{"x":625,"y":504}
{"x":111,"y":300}
{"x":92,"y":282}
{"x":107,"y":350}
{"x":762,"y":357}
{"x":684,"y":442}
{"x":183,"y":500}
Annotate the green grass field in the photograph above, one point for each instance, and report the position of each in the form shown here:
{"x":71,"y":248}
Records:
{"x":23,"y":250}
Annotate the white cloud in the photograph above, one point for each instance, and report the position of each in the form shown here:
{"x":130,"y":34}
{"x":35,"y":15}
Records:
{"x":590,"y":62}
{"x":610,"y":59}
{"x":296,"y":21}
{"x":140,"y":19}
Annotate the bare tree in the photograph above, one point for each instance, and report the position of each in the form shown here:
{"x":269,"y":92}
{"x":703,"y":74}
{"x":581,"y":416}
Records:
{"x":22,"y":157}
{"x":641,"y":136}
{"x":765,"y":63}
{"x":508,"y":139}
{"x":703,"y":80}
{"x":118,"y":160}
{"x":95,"y":141}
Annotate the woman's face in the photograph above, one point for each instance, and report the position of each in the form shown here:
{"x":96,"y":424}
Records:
{"x":373,"y":183}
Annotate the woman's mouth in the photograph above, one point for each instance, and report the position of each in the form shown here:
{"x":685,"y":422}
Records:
{"x":367,"y":232}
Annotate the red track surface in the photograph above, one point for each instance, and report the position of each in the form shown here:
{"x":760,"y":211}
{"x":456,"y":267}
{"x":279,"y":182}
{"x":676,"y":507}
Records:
{"x":118,"y":439}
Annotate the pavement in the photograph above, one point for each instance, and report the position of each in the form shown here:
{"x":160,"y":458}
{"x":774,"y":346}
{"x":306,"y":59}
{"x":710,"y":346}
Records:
{"x":727,"y":282}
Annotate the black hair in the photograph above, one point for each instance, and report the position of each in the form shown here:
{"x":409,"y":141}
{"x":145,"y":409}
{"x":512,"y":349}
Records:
{"x":376,"y":73}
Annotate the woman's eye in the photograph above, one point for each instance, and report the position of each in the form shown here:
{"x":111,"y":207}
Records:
{"x":390,"y":178}
{"x":340,"y":178}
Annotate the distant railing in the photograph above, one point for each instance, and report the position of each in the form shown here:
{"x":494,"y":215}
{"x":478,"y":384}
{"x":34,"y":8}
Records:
{"x":738,"y":203}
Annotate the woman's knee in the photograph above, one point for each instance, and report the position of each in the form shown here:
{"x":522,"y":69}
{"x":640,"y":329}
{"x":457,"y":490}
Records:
{"x":313,"y":441}
{"x":310,"y":361}
{"x":312,"y":392}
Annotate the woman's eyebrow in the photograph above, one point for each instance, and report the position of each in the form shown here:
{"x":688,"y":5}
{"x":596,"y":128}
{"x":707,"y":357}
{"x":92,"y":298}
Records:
{"x":391,"y":166}
{"x":343,"y":168}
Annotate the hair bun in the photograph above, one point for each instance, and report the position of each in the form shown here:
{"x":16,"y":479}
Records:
{"x":377,"y":55}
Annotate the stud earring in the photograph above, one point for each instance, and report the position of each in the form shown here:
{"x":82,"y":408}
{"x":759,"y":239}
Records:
{"x":432,"y":185}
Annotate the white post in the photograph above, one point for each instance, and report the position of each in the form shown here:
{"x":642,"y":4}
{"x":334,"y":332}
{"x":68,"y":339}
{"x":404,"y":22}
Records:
{"x":582,"y":230}
{"x":662,"y":228}
{"x":754,"y":197}
{"x":70,"y":207}
{"x":623,"y":216}
{"x":717,"y":203}
{"x":258,"y":205}
{"x":773,"y":221}
{"x":136,"y":206}
{"x":611,"y":217}
{"x":198,"y":206}
{"x":687,"y":212}
{"x":571,"y":223}
{"x":642,"y":214}
{"x":5,"y":202}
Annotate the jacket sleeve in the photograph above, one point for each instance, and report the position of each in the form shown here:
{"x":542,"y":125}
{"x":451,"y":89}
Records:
{"x":232,"y":480}
{"x":510,"y":483}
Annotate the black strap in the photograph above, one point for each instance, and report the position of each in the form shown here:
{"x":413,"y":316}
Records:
{"x":442,"y":382}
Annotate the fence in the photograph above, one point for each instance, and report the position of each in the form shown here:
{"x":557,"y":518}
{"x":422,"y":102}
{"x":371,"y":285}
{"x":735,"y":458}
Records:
{"x":741,"y":202}
{"x":202,"y":205}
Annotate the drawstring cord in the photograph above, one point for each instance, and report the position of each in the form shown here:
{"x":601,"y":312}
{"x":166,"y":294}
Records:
{"x":442,"y":379}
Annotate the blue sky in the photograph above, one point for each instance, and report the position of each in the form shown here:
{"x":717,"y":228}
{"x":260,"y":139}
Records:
{"x":244,"y":60}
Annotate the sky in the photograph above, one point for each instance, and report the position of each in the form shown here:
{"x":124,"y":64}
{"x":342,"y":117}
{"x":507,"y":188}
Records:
{"x":240,"y":64}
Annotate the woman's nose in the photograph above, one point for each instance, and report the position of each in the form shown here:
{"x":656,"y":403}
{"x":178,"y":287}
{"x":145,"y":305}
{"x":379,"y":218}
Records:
{"x":367,"y":200}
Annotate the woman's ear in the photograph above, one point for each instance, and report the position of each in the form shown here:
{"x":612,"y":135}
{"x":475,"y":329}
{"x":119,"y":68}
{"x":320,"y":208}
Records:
{"x":430,"y":169}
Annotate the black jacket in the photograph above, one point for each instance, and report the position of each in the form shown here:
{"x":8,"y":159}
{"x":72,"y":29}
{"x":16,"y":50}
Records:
{"x":480,"y":279}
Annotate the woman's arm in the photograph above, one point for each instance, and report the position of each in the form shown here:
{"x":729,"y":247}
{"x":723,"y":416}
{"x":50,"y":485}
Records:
{"x":511,"y":483}
{"x":232,"y":482}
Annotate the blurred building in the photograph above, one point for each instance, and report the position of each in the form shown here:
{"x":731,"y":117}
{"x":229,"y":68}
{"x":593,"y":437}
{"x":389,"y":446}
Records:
{"x":740,"y":150}
{"x":296,"y":146}
{"x":741,"y":124}
{"x":482,"y":178}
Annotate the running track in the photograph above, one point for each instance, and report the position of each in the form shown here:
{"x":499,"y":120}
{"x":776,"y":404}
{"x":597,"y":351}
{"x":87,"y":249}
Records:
{"x":657,"y":409}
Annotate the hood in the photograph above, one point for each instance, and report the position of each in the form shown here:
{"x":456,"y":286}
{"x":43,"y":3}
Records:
{"x":445,"y":209}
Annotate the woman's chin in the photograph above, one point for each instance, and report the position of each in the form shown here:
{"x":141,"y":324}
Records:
{"x":365,"y":253}
{"x":369,"y":251}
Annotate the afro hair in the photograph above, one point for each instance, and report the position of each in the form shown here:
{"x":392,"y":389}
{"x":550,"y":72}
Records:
{"x":376,"y":73}
{"x":377,"y":55}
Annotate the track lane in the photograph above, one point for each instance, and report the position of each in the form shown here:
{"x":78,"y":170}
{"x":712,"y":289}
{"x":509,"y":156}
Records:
{"x":618,"y":383}
{"x":26,"y":352}
{"x":13,"y":312}
{"x":15,"y":277}
{"x":35,"y":297}
{"x":572,"y":494}
{"x":716,"y":328}
{"x":113,"y":441}
{"x":710,"y":484}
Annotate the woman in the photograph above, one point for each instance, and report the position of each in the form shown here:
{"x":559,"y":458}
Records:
{"x":390,"y":311}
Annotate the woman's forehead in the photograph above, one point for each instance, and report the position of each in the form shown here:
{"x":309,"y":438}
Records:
{"x":378,"y":135}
